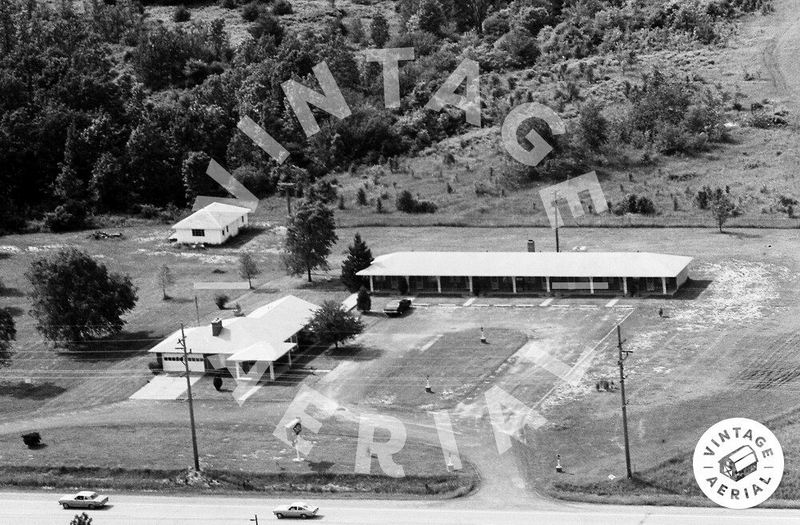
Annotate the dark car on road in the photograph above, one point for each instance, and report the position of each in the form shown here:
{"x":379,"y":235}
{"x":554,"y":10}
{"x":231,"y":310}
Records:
{"x":398,"y":307}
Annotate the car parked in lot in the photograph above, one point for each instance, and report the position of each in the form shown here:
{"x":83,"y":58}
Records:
{"x":398,"y":307}
{"x":295,"y":510}
{"x":85,"y":499}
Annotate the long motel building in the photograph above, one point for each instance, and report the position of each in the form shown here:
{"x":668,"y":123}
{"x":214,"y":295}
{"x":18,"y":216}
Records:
{"x":528,"y":273}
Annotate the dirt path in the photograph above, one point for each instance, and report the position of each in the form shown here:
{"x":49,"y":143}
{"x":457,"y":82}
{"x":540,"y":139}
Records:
{"x":781,"y":54}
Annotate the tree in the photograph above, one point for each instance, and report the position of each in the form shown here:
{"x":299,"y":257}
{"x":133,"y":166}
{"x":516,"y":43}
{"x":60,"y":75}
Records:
{"x":75,"y":298}
{"x":82,"y":519}
{"x":359,"y":257}
{"x":165,"y":279}
{"x":310,"y":235}
{"x":248,"y":268}
{"x":8,"y":332}
{"x":431,"y":18}
{"x":722,"y":208}
{"x":331,"y":324}
{"x":592,"y":126}
{"x":363,"y":301}
{"x":361,"y":197}
{"x":379,"y":30}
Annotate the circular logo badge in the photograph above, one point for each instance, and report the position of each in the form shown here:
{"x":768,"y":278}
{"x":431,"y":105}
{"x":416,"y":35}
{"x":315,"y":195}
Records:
{"x":738,"y":463}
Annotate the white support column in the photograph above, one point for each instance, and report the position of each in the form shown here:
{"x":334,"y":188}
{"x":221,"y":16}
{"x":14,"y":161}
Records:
{"x":664,"y":284}
{"x":271,"y":371}
{"x":548,"y":284}
{"x":439,"y":283}
{"x":591,"y":285}
{"x":371,"y":285}
{"x":290,"y":358}
{"x":625,"y":285}
{"x":470,"y":284}
{"x":514,"y":284}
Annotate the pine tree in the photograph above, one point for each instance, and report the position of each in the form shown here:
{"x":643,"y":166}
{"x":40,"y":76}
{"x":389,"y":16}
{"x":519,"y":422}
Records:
{"x":359,"y":257}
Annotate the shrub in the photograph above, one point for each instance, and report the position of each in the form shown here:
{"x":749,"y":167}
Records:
{"x":181,"y":14}
{"x":363,"y":302}
{"x":267,"y":25}
{"x":496,"y":25}
{"x":361,"y":197}
{"x":250,"y":12}
{"x":633,"y":203}
{"x":282,"y":7}
{"x":221,"y":300}
{"x":32,"y":439}
{"x":408,"y":204}
{"x":228,"y":4}
{"x":69,"y":216}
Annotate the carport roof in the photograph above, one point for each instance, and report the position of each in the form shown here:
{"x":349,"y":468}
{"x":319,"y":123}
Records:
{"x":528,"y":264}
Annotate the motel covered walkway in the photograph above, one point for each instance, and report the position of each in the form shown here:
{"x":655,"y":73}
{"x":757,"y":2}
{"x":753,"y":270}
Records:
{"x":527,"y":273}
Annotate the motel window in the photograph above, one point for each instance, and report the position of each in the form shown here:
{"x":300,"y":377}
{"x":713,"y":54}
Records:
{"x":198,"y":233}
{"x":495,"y":283}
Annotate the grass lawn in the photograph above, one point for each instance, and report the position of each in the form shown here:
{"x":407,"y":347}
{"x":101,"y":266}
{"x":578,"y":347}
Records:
{"x":239,"y":456}
{"x":458,"y":364}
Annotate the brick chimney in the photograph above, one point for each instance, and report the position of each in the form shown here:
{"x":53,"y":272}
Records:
{"x":216,"y":327}
{"x":531,"y":246}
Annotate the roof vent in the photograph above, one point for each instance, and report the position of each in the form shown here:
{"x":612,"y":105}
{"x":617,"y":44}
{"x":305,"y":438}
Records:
{"x":216,"y":327}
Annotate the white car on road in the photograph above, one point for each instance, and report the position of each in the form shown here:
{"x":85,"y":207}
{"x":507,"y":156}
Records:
{"x":85,"y":499}
{"x":295,"y":510}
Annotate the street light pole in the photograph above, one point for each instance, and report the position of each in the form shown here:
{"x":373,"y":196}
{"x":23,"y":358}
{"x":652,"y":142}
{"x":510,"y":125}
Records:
{"x":182,"y":343}
{"x":622,"y":355}
{"x":555,"y":208}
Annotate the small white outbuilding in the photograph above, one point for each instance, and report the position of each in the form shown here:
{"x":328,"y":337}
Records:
{"x":213,"y":224}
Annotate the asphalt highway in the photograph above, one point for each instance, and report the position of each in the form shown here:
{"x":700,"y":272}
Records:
{"x":40,"y":508}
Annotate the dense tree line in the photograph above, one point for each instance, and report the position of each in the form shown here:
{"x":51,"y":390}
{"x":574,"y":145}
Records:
{"x":103,"y":110}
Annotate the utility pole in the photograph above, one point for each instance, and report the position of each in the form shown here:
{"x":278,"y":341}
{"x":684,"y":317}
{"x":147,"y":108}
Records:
{"x":623,"y":354}
{"x":182,"y":346}
{"x":255,"y":518}
{"x":555,"y":208}
{"x":288,"y":188}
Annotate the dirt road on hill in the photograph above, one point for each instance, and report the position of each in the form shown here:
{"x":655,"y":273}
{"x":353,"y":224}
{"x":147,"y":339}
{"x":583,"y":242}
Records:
{"x":782,"y":54}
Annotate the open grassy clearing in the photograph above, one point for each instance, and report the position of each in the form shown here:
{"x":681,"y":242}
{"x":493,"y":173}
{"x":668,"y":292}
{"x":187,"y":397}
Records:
{"x":729,"y":352}
{"x":306,"y":15}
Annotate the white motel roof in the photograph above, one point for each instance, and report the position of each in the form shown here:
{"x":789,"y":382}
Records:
{"x":260,"y":336}
{"x":214,"y":216}
{"x":527,"y":264}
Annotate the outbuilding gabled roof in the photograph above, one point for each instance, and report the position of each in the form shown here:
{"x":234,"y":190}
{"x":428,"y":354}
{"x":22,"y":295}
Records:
{"x":215,"y":216}
{"x":528,"y":264}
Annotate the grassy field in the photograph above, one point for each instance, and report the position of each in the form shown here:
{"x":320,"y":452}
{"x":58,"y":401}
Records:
{"x":457,"y":363}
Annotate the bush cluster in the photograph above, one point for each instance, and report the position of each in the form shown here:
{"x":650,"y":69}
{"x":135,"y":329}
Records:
{"x":633,"y":203}
{"x":406,"y":203}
